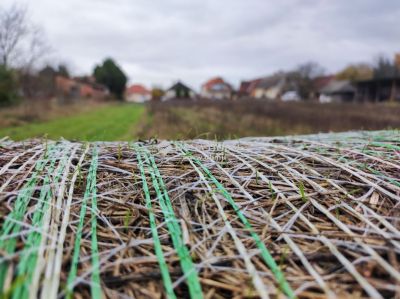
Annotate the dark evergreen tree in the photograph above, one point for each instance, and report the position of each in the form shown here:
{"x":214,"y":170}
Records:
{"x":63,"y":70}
{"x":111,"y":75}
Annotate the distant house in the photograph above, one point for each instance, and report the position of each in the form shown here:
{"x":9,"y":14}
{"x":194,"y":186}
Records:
{"x":318,"y":84}
{"x":378,"y":90}
{"x":216,"y":89}
{"x":67,"y":87}
{"x":246,"y":88}
{"x":179,"y":91}
{"x":80,"y":87}
{"x":277,"y":87}
{"x":384,"y":86}
{"x":137,"y":94}
{"x":269,"y":88}
{"x":337,"y":91}
{"x":90,"y":88}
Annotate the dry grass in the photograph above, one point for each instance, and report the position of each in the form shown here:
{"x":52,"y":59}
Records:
{"x":221,"y":120}
{"x":33,"y":111}
{"x":310,"y":216}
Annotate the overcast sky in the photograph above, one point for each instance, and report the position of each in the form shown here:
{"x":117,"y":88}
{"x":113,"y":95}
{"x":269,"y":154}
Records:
{"x":160,"y":41}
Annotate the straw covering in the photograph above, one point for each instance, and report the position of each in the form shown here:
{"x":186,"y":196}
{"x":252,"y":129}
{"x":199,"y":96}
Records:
{"x":314,"y":216}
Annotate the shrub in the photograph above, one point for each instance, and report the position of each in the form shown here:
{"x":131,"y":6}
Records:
{"x":8,"y":87}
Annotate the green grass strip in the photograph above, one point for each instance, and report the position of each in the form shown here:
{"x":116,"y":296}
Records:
{"x":11,"y":225}
{"x":386,"y":145}
{"x":95,"y":285}
{"x":376,"y":172}
{"x":157,"y":244}
{"x":174,"y":228}
{"x":269,"y":260}
{"x":27,"y":264}
{"x":90,"y":193}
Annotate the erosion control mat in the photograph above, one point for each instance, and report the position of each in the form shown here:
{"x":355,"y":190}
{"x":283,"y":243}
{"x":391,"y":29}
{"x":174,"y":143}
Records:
{"x":309,"y":216}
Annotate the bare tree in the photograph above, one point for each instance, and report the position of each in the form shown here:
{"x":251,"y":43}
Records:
{"x":22,"y":43}
{"x":13,"y":29}
{"x":310,"y":70}
{"x":303,"y":77}
{"x":385,"y":68}
{"x":36,"y":48}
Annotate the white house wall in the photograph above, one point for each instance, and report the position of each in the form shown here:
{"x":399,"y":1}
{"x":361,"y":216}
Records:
{"x":138,"y":98}
{"x":217,"y":95}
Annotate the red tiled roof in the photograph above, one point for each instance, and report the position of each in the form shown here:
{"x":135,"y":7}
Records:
{"x":217,"y":80}
{"x":137,"y":89}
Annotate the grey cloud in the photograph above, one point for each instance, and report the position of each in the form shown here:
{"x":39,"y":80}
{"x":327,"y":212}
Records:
{"x":162,"y":40}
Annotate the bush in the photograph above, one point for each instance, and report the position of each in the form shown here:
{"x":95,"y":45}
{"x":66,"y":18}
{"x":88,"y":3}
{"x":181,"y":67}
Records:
{"x":8,"y":87}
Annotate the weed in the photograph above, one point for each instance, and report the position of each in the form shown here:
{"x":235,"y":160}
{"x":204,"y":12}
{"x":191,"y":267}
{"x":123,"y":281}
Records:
{"x":127,"y":219}
{"x":302,"y":193}
{"x":119,"y":155}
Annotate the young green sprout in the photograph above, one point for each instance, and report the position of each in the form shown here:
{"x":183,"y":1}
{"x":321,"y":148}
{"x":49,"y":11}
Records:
{"x":271,"y":189}
{"x":337,"y":211}
{"x":80,"y":176}
{"x":45,"y":146}
{"x":119,"y":153}
{"x":127,"y":219}
{"x":302,"y":193}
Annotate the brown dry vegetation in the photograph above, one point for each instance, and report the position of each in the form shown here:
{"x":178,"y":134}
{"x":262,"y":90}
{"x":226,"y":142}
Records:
{"x":206,"y":119}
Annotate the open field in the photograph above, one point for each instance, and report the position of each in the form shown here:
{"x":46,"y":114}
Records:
{"x":182,"y":120}
{"x":225,"y":119}
{"x":40,"y":111}
{"x":309,"y":216}
{"x":105,"y":122}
